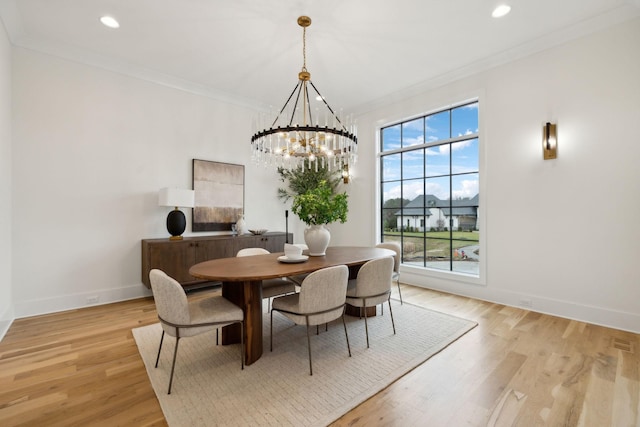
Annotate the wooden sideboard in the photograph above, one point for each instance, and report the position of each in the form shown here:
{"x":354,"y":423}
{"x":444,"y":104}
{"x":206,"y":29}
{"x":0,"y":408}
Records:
{"x":175,"y":257}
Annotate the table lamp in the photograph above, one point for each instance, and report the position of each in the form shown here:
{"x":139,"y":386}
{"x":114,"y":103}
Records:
{"x":176,"y":221}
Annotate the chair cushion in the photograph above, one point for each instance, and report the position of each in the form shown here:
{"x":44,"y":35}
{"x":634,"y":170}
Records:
{"x":273,"y":287}
{"x":370,"y":302}
{"x":287,"y":302}
{"x":213,"y":309}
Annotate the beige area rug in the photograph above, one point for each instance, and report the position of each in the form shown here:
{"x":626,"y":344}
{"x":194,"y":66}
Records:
{"x":210,"y":389}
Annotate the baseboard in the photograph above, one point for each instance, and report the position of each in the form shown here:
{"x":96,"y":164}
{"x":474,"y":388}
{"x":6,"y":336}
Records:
{"x":56,"y":304}
{"x":601,"y":316}
{"x":6,"y":319}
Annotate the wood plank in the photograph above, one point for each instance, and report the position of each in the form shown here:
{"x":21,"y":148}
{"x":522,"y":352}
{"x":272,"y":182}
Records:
{"x":82,"y":367}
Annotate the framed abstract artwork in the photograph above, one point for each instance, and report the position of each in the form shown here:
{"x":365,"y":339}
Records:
{"x":219,"y":195}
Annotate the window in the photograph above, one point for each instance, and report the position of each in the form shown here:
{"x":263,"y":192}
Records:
{"x":429,"y":187}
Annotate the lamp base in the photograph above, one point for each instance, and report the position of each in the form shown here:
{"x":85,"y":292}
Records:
{"x":176,"y":224}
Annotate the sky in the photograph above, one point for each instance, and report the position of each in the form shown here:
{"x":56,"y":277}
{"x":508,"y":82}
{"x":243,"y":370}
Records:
{"x":458,"y":159}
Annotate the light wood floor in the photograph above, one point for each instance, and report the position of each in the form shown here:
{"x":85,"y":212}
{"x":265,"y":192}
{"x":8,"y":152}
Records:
{"x":517,"y":367}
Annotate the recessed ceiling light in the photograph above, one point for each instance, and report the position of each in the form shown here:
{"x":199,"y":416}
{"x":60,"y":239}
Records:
{"x":501,"y":10}
{"x":110,"y":22}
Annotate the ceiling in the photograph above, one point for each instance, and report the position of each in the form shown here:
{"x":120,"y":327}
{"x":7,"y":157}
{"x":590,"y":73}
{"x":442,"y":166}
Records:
{"x":359,"y":52}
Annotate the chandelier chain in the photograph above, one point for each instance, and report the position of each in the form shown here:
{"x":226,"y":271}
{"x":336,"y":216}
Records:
{"x":304,"y":48}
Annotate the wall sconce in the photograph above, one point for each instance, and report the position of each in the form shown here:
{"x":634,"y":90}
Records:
{"x":176,"y":221}
{"x":345,"y":173}
{"x":549,"y":141}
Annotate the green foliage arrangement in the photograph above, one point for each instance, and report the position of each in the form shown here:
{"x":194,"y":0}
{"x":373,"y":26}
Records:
{"x":301,"y":180}
{"x":320,"y":205}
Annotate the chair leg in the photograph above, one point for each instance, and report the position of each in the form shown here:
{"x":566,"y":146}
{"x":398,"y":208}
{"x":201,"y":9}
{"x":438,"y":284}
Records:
{"x":241,"y":345}
{"x":346,"y":334}
{"x":366,"y":328}
{"x":399,"y":292}
{"x":160,"y":348}
{"x":309,"y":346}
{"x":271,"y":333}
{"x":173,"y":365}
{"x":391,"y":312}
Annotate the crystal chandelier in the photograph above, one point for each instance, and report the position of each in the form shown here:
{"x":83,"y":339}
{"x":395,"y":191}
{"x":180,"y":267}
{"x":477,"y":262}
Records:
{"x":298,"y":137}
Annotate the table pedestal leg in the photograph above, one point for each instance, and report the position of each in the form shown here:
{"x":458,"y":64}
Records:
{"x":248,"y":296}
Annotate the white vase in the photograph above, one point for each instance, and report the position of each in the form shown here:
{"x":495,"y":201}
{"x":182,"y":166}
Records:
{"x":241,"y":226}
{"x":317,"y":239}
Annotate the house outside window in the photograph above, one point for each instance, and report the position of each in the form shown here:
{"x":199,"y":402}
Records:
{"x":429,"y":187}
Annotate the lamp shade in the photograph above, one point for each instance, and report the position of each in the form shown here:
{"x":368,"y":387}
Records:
{"x":176,"y":197}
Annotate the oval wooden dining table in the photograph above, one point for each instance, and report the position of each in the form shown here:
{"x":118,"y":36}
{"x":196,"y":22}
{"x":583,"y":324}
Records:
{"x":242,"y":277}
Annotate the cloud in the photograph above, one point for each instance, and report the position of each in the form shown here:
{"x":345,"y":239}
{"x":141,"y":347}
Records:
{"x":413,"y":125}
{"x":414,"y":141}
{"x":411,"y":190}
{"x":468,"y":132}
{"x":391,"y":145}
{"x":470,"y":187}
{"x":437,"y":190}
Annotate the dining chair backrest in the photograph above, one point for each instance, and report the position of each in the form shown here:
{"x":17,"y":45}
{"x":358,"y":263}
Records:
{"x":394,"y":246}
{"x":374,"y":277}
{"x":170,"y":298}
{"x":324,"y":290}
{"x":252,"y":251}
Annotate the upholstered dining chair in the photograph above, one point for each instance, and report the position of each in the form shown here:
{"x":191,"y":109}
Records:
{"x":371,"y":287}
{"x":395,"y":277}
{"x":299,"y":278}
{"x":181,"y":318}
{"x":321,"y":299}
{"x":270,"y":287}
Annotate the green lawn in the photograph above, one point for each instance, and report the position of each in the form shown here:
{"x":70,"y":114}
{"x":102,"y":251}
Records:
{"x":437,"y":243}
{"x":473,"y":236}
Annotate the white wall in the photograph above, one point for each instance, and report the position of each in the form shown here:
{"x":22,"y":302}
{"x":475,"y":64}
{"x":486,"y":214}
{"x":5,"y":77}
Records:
{"x":91,"y":150}
{"x":563,"y":233}
{"x":6,"y":305}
